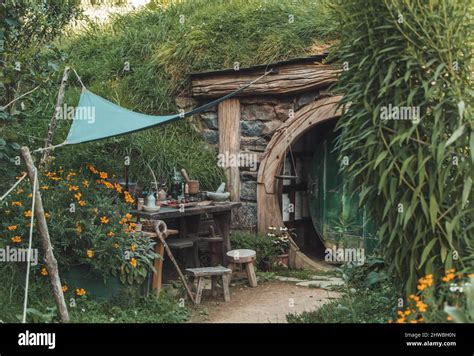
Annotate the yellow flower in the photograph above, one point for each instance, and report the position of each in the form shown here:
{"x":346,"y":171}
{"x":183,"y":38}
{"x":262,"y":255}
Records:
{"x":85,"y":183}
{"x":44,"y":271}
{"x":46,"y":215}
{"x":104,"y":220}
{"x":128,"y":198}
{"x":19,"y":191}
{"x":82,"y":202}
{"x":45,"y":187}
{"x":12,"y":227}
{"x":133,"y":247}
{"x":65,"y":289}
{"x":28,"y":214}
{"x":108,"y":184}
{"x":73,"y":188}
{"x":128,"y":216}
{"x":17,"y":203}
{"x":110,"y":234}
{"x":133,"y":262}
{"x":78,"y":229}
{"x":90,"y":253}
{"x":16,"y":239}
{"x":80,"y":292}
{"x":103,"y":175}
{"x":118,"y":188}
{"x":115,"y":245}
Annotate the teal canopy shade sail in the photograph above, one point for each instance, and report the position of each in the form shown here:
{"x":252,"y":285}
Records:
{"x":96,"y":118}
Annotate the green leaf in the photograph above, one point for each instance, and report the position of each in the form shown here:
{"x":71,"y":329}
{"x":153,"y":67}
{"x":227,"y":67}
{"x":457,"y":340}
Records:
{"x":456,"y":134}
{"x":380,"y":158}
{"x":466,"y":191}
{"x":433,"y":211}
{"x":471,"y":145}
{"x":426,"y":252}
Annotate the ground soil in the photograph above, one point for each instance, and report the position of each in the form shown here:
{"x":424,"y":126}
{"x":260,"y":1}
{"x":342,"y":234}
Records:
{"x":270,"y":302}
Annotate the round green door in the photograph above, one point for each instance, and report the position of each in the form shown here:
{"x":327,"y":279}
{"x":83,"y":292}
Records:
{"x":338,"y":220}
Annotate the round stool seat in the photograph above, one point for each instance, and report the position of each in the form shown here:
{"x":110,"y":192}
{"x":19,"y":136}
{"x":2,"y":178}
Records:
{"x":241,"y":256}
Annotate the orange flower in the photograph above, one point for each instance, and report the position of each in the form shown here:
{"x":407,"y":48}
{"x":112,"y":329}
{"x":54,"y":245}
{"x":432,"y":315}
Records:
{"x":78,"y":196}
{"x":103,"y":175}
{"x":90,"y":253}
{"x":46,"y":215}
{"x":128,"y":216}
{"x":128,"y":198}
{"x":65,"y":289}
{"x":16,"y":239}
{"x":12,"y":228}
{"x":19,"y":191}
{"x":17,"y":203}
{"x":110,"y":234}
{"x":449,"y":318}
{"x":104,"y":220}
{"x":92,"y":169}
{"x":28,"y":214}
{"x":44,"y":271}
{"x":85,"y":183}
{"x":78,"y":229}
{"x":30,"y":195}
{"x":82,"y":202}
{"x":118,"y":188}
{"x":73,"y":188}
{"x":80,"y":292}
{"x":133,"y":262}
{"x":45,"y":187}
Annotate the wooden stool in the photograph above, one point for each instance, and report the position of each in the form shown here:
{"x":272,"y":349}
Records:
{"x":213,"y":272}
{"x":245,"y":258}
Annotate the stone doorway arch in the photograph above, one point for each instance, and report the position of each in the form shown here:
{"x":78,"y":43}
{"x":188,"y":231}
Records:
{"x":268,"y":207}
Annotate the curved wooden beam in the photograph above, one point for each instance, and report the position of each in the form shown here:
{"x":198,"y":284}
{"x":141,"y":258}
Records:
{"x":268,"y":208}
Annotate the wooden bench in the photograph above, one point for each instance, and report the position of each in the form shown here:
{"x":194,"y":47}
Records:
{"x":214,"y":272}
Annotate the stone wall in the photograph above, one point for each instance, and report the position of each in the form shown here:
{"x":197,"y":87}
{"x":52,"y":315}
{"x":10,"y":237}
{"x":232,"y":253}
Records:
{"x":260,"y":117}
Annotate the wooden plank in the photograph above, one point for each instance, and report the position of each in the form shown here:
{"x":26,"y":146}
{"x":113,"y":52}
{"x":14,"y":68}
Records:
{"x":208,"y":271}
{"x":171,"y":213}
{"x":49,"y":259}
{"x":229,"y":142}
{"x":251,"y":274}
{"x":289,"y":79}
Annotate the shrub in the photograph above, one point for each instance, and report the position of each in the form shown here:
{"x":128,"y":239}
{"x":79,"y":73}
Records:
{"x":264,"y":246}
{"x":88,"y":221}
{"x":415,"y":176}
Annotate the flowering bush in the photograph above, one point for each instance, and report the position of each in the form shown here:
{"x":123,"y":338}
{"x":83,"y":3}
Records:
{"x":89,"y":223}
{"x":436,"y":303}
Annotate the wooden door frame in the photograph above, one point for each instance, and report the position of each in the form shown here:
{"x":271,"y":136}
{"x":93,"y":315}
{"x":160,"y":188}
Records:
{"x":268,"y":207}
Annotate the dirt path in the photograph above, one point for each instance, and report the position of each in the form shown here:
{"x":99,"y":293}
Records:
{"x":267,"y":303}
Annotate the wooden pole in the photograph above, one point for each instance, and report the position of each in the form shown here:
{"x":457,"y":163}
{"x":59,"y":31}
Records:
{"x":50,"y":260}
{"x":54,"y":120}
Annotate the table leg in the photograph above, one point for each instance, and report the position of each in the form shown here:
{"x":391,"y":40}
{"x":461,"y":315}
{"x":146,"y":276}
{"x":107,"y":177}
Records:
{"x":158,"y":275}
{"x":223,"y":221}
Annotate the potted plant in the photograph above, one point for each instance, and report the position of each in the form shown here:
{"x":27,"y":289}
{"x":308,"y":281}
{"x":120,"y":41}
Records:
{"x":282,"y":247}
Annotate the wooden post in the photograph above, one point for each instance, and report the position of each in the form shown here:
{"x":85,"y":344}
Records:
{"x":54,"y":119}
{"x":50,"y":260}
{"x":229,"y":142}
{"x":158,"y":275}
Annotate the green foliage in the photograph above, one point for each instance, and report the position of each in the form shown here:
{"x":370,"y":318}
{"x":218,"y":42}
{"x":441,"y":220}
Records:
{"x":415,"y":177}
{"x":264,"y":246}
{"x":97,"y":233}
{"x":369,"y":296}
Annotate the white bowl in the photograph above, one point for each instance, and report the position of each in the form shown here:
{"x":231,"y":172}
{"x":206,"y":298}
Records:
{"x":218,"y":196}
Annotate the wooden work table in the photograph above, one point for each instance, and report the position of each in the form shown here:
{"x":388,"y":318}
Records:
{"x":189,"y":221}
{"x":189,"y":218}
